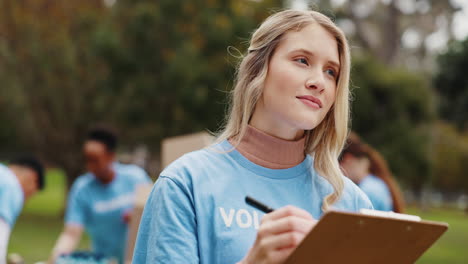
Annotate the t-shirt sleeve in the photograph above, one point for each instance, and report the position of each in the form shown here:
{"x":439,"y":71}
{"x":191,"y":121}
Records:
{"x":8,"y":210}
{"x":144,"y":177}
{"x":378,"y":193}
{"x":76,"y":207}
{"x":353,"y":198}
{"x":380,"y":201}
{"x":362,"y":200}
{"x":139,"y":174}
{"x":168,"y":232}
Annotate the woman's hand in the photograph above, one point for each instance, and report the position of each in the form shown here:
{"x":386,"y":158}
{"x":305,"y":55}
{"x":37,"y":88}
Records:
{"x":280,"y":232}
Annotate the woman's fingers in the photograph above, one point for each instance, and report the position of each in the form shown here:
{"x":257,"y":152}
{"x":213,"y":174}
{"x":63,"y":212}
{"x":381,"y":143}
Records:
{"x":280,"y":232}
{"x":282,"y":241}
{"x":286,"y":224}
{"x":276,"y":249}
{"x":287,"y":211}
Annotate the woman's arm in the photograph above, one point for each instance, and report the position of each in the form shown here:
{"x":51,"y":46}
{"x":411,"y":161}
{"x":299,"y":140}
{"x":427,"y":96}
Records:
{"x":4,"y":237}
{"x":67,"y":241}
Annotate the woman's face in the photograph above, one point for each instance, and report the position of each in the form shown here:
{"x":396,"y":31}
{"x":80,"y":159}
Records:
{"x":355,"y":168}
{"x":300,"y":86}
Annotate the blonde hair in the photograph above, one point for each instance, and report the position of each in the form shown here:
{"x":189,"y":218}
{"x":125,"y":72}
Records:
{"x":324,"y":142}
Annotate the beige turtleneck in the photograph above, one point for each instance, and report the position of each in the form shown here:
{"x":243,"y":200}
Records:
{"x":269,"y":151}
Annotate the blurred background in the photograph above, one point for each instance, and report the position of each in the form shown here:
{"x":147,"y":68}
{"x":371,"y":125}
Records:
{"x":157,"y":69}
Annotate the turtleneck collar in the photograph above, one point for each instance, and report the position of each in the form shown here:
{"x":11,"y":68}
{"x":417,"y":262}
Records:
{"x":269,"y":151}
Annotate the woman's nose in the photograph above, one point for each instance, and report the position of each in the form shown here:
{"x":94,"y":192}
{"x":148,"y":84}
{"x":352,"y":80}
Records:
{"x":316,"y":82}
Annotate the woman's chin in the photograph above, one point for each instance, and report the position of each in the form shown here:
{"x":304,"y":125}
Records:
{"x":308,"y":125}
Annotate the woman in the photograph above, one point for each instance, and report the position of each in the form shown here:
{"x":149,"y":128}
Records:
{"x":287,"y":125}
{"x":368,"y":169}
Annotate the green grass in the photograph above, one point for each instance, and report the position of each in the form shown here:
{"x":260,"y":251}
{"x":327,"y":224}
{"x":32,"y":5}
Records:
{"x":41,"y":222}
{"x":34,"y":236}
{"x":51,"y":200}
{"x":452,"y":246}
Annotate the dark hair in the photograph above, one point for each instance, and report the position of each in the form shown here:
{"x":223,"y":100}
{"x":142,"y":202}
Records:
{"x":33,"y":164}
{"x":378,"y":167}
{"x":105,"y":136}
{"x":355,"y":147}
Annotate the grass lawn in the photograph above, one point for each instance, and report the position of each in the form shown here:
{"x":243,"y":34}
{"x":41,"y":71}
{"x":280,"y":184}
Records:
{"x":41,"y":221}
{"x":34,"y":236}
{"x":452,"y":246}
{"x":51,"y":201}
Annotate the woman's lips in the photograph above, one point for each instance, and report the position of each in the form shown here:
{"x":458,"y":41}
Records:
{"x":310,"y":101}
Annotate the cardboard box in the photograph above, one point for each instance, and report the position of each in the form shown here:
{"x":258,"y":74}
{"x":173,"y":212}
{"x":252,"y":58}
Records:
{"x":174,"y":147}
{"x":142,"y":193}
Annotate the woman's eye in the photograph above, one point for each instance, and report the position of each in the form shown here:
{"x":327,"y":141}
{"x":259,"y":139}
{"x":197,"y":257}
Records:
{"x":303,"y":61}
{"x":331,"y":72}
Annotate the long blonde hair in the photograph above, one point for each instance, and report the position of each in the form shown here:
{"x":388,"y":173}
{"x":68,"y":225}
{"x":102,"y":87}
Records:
{"x":324,"y":142}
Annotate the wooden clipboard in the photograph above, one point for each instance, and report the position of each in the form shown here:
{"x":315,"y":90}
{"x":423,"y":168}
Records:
{"x":344,"y":237}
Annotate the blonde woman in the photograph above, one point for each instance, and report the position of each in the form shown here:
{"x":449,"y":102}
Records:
{"x":287,"y":125}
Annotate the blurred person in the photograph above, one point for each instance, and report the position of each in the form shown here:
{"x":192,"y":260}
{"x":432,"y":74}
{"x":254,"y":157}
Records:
{"x":19,"y":181}
{"x":287,"y":125}
{"x":368,"y":169}
{"x":101,"y":200}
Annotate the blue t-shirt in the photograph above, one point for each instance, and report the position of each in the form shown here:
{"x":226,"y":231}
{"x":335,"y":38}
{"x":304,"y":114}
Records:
{"x":196,"y":212}
{"x":100,"y":207}
{"x":11,"y":196}
{"x":378,"y":192}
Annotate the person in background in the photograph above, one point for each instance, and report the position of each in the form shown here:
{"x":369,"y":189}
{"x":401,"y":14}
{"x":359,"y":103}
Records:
{"x":287,"y":125}
{"x":19,"y":181}
{"x":368,"y":169}
{"x":101,"y":200}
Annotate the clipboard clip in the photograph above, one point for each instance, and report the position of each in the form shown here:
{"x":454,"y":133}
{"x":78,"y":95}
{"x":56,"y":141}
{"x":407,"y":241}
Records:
{"x":390,"y":214}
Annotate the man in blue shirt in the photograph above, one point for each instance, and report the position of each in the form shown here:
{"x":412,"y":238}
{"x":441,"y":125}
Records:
{"x":18,"y":182}
{"x":100,"y":200}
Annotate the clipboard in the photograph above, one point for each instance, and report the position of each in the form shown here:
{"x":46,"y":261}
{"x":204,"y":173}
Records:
{"x":345,"y":237}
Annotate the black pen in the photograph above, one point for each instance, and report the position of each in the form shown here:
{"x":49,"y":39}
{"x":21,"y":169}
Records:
{"x":260,"y":206}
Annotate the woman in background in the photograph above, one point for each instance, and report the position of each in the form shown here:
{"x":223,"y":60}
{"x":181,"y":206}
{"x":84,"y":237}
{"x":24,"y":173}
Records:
{"x":368,"y":169}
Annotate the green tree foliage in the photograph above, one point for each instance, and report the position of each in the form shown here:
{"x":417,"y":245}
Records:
{"x":450,"y":158}
{"x":379,"y":27}
{"x":50,"y":76}
{"x":161,"y":68}
{"x":452,"y":85}
{"x":151,"y":68}
{"x":7,"y":132}
{"x":392,"y":110}
{"x":451,"y":143}
{"x":170,"y":60}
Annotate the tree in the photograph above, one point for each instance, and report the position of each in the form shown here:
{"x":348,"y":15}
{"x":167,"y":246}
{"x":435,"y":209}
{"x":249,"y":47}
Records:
{"x":450,"y":158}
{"x":150,"y":68}
{"x":379,"y":27}
{"x":452,"y":85}
{"x":171,"y":60}
{"x":393,"y":111}
{"x":52,"y":74}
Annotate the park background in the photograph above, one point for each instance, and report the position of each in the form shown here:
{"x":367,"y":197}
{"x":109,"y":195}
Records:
{"x":157,"y":69}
